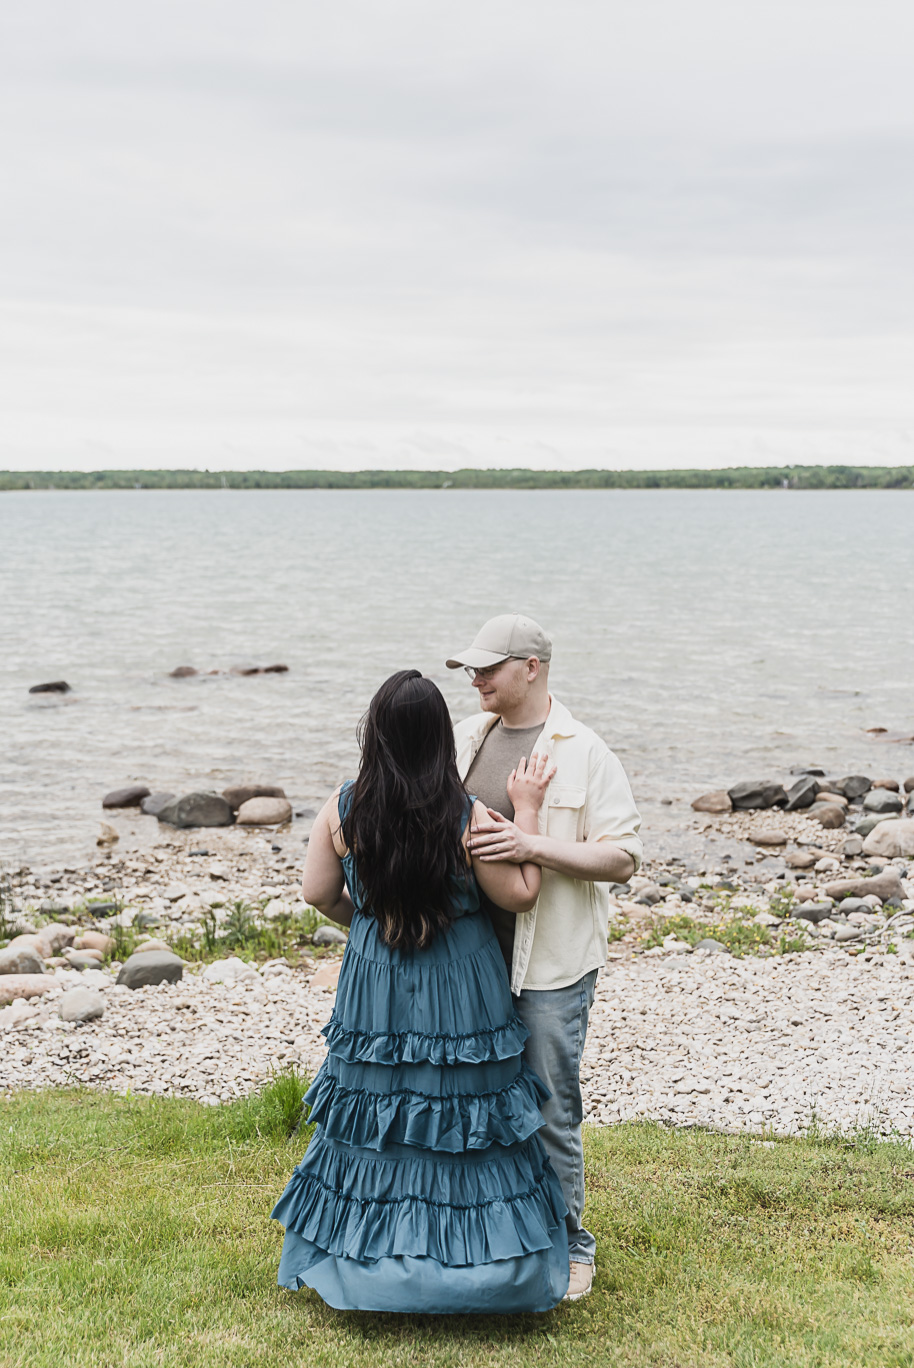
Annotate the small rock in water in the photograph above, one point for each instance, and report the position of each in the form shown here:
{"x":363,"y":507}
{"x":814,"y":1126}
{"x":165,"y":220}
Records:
{"x":758,"y":793}
{"x":81,"y":1004}
{"x":154,"y":804}
{"x":328,"y":935}
{"x":242,"y":793}
{"x":107,"y":835}
{"x":719,"y":801}
{"x":183,"y":672}
{"x":153,"y":967}
{"x":197,"y":810}
{"x":768,"y":836}
{"x":58,"y":686}
{"x":264,"y":812}
{"x":892,"y":840}
{"x":126,"y":797}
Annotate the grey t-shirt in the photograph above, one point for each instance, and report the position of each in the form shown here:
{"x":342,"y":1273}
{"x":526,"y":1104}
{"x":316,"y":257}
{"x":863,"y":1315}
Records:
{"x":487,"y":777}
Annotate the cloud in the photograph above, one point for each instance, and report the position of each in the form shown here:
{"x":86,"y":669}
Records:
{"x":288,"y":231}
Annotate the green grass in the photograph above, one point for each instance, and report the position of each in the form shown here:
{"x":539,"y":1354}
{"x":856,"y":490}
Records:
{"x":136,"y":1233}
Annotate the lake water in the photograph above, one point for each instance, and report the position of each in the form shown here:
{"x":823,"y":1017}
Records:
{"x":708,"y":636}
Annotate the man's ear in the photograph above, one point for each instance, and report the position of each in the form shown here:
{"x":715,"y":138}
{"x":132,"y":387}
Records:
{"x":533,"y":669}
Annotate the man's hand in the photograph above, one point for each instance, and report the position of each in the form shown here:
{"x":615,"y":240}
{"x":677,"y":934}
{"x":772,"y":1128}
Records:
{"x":500,"y":839}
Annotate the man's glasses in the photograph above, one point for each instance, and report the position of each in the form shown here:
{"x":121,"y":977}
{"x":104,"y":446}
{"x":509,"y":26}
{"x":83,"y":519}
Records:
{"x":489,"y":672}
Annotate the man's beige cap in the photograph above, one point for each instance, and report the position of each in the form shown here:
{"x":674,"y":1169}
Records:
{"x":502,"y":638}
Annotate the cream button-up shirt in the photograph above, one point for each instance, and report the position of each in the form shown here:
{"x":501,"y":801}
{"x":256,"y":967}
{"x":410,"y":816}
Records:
{"x":564,"y":936}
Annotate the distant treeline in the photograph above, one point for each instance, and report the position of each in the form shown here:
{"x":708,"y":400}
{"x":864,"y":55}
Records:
{"x":737,"y":477}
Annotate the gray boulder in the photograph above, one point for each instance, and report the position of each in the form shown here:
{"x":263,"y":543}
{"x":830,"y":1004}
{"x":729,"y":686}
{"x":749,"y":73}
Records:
{"x":77,"y":960}
{"x":802,"y":794}
{"x":852,"y":785}
{"x":131,"y":796}
{"x":146,"y":969}
{"x":873,"y":820}
{"x":886,"y":884}
{"x":328,"y":935}
{"x":81,"y":1004}
{"x":812,"y":911}
{"x":21,"y":959}
{"x":710,"y":944}
{"x":849,"y":905}
{"x":154,"y":803}
{"x":197,"y":810}
{"x":757,"y":793}
{"x":891,"y":839}
{"x":56,"y":686}
{"x":882,"y":800}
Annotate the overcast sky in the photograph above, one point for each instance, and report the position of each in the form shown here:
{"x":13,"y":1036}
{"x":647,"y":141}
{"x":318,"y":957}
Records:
{"x":407,"y":233}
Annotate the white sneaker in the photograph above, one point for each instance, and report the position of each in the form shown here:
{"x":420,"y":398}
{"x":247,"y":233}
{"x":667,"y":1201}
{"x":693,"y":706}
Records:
{"x":580,"y":1282}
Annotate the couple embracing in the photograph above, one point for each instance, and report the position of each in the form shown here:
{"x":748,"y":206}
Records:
{"x":446,"y":1172}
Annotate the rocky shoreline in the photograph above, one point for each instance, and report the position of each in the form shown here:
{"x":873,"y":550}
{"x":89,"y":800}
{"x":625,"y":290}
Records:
{"x":762,"y":983}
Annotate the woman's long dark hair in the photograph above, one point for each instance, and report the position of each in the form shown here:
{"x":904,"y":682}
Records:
{"x":407,"y":812}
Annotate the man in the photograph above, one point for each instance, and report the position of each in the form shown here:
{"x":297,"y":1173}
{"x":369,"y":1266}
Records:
{"x":587,"y":838}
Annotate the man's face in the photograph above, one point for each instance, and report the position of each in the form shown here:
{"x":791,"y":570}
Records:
{"x":504,"y":686}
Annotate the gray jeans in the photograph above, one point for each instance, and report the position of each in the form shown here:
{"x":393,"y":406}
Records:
{"x":557,"y":1022}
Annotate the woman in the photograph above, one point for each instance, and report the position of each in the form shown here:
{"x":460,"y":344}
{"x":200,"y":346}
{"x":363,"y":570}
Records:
{"x":425,"y":1187}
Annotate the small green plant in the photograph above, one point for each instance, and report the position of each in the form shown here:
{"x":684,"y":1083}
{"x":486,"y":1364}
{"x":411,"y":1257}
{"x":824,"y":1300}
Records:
{"x":781,"y":903}
{"x":789,"y":945}
{"x":125,"y":940}
{"x":618,"y":929}
{"x":740,"y":936}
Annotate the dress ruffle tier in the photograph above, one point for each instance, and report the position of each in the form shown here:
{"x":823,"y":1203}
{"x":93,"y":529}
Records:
{"x":425,"y":1187}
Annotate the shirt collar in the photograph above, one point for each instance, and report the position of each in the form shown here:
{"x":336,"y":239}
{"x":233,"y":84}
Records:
{"x":559,"y":721}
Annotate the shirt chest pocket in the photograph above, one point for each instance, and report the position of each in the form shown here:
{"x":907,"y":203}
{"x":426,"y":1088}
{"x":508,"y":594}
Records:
{"x":565,"y":812}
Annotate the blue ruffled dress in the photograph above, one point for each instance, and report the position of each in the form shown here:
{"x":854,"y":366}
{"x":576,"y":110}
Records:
{"x":425,"y":1187}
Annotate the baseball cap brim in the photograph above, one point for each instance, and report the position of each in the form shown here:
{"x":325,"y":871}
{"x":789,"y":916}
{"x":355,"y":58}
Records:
{"x":476,"y":658}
